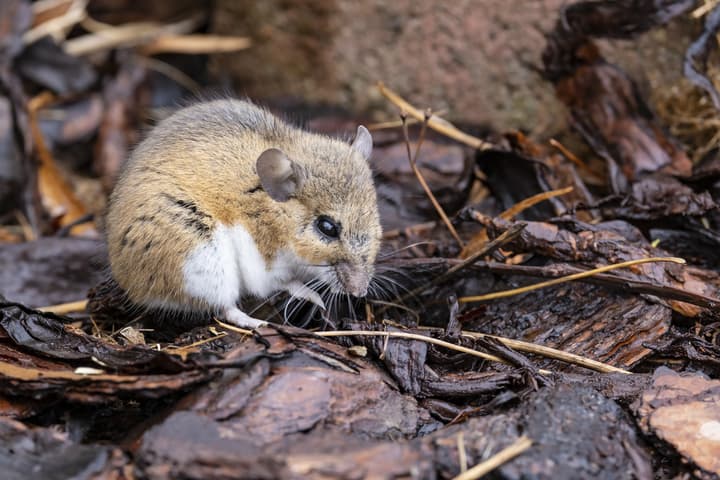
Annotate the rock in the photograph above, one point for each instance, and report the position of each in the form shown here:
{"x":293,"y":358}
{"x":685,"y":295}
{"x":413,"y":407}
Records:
{"x":477,"y":59}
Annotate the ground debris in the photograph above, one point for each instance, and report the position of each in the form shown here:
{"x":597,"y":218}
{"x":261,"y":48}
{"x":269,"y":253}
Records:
{"x":49,"y":270}
{"x":427,"y":376}
{"x":42,"y":453}
{"x":659,"y":198}
{"x":604,"y":103}
{"x":682,"y":411}
{"x":568,"y":312}
{"x":559,"y":421}
{"x":697,"y":55}
{"x":83,"y":369}
{"x":47,"y":65}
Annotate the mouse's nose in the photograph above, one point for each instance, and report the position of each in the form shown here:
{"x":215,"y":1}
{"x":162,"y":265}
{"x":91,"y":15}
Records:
{"x":359,"y":291}
{"x":354,"y":279}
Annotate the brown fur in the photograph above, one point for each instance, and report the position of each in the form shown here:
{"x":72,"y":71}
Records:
{"x":197,"y":169}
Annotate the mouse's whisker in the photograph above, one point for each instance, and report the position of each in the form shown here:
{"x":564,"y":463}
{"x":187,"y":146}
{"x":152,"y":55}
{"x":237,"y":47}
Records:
{"x":298,"y":302}
{"x":307,"y":318}
{"x":266,"y":302}
{"x":400,"y":272}
{"x":402,"y":249}
{"x":389,"y":284}
{"x":378,"y":289}
{"x":285,"y":315}
{"x":292,"y":303}
{"x":351,"y":307}
{"x":372,"y":287}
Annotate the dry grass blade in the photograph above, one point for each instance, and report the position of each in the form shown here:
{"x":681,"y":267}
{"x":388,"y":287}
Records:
{"x":549,"y":352}
{"x":567,"y":153}
{"x":195,"y":44}
{"x":705,"y":8}
{"x":128,"y":35}
{"x":534,"y":200}
{"x":57,"y":27}
{"x":436,"y":123}
{"x":515,"y":344}
{"x":503,"y":456}
{"x":568,"y":278}
{"x":588,"y":173}
{"x":65,"y":308}
{"x":404,"y":335}
{"x":411,"y":336}
{"x":418,"y":174}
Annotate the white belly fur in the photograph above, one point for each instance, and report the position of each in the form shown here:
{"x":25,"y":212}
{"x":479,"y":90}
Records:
{"x":230,"y":265}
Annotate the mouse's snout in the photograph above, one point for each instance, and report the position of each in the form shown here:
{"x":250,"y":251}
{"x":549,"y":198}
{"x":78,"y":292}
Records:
{"x":355,"y":279}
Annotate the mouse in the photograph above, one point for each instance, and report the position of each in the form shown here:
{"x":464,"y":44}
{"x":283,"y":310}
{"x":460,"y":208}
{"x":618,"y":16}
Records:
{"x":223,"y":200}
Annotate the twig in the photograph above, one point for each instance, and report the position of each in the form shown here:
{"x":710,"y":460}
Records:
{"x":195,"y":44}
{"x":589,"y":173}
{"x":515,"y":344}
{"x":65,"y":308}
{"x":567,"y":153}
{"x":626,"y":284}
{"x":405,"y":335}
{"x":57,"y":27}
{"x":413,"y":164}
{"x":515,"y":210}
{"x":568,"y":278}
{"x":481,"y":238}
{"x":422,"y":338}
{"x":397,"y":123}
{"x":603,"y":279}
{"x":507,"y":236}
{"x":436,"y":123}
{"x":703,"y":9}
{"x":547,"y":352}
{"x":128,"y":35}
{"x":503,"y":456}
{"x":550,"y":352}
{"x":523,"y":205}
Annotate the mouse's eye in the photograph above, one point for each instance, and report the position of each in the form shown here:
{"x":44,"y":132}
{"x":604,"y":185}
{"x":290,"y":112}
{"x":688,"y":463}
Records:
{"x":327,"y":227}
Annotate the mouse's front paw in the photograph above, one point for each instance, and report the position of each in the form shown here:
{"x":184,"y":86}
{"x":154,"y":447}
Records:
{"x":241,"y":319}
{"x":300,"y":290}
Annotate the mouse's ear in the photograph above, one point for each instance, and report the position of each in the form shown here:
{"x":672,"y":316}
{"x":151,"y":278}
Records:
{"x":279,"y":176}
{"x":363,"y":142}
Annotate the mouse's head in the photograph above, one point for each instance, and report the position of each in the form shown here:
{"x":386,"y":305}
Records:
{"x":327,"y":191}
